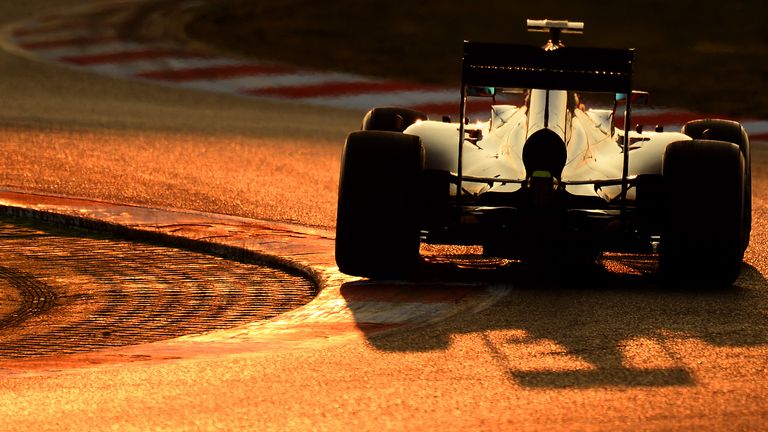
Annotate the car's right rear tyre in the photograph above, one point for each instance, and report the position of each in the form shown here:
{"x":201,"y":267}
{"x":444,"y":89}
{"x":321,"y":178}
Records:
{"x":704,"y":207}
{"x":732,"y":132}
{"x":377,"y":224}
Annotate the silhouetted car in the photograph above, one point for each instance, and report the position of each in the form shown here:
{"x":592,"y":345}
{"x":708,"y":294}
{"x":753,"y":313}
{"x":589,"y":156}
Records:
{"x":547,"y":180}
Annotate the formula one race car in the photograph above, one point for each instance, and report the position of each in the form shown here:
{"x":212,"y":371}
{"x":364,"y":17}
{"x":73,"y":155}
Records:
{"x":546,"y":180}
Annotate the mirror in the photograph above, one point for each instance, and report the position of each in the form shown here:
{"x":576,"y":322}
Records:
{"x":638,"y":97}
{"x":481,"y":91}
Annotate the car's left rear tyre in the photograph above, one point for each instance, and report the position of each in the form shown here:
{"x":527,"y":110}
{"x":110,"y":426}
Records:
{"x":377,"y":224}
{"x":703,"y":229}
{"x":391,"y":119}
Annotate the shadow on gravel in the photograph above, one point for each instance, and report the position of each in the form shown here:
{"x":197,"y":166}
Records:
{"x":577,"y":332}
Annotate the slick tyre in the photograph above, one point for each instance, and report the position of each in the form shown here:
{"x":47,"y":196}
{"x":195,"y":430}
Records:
{"x":391,"y":119}
{"x":732,"y":132}
{"x":377,"y":224}
{"x":704,"y":205}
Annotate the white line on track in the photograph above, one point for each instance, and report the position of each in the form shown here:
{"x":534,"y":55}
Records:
{"x":83,"y":50}
{"x":404,"y":98}
{"x":268,"y":81}
{"x":134,"y":69}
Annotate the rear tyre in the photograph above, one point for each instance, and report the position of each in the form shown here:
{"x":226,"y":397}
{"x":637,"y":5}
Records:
{"x":377,"y":223}
{"x":702,"y":240}
{"x":732,"y":132}
{"x":391,"y":119}
{"x":719,"y":130}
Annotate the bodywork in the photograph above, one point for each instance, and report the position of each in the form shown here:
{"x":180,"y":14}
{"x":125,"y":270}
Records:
{"x":549,"y":171}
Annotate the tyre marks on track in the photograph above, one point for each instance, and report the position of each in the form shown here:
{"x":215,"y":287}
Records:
{"x":92,"y":292}
{"x":35,"y":297}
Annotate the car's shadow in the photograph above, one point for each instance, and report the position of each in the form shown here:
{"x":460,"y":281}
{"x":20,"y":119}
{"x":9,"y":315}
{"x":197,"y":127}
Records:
{"x":592,"y":318}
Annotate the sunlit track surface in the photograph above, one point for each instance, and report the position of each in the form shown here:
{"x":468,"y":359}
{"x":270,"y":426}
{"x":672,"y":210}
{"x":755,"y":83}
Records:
{"x":90,"y":291}
{"x":616,"y":355}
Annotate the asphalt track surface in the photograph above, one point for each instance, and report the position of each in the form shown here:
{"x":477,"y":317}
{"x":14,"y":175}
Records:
{"x":551,"y":355}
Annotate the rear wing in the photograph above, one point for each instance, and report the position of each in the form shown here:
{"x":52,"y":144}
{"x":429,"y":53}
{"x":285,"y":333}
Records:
{"x":564,"y":68}
{"x":554,"y":67}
